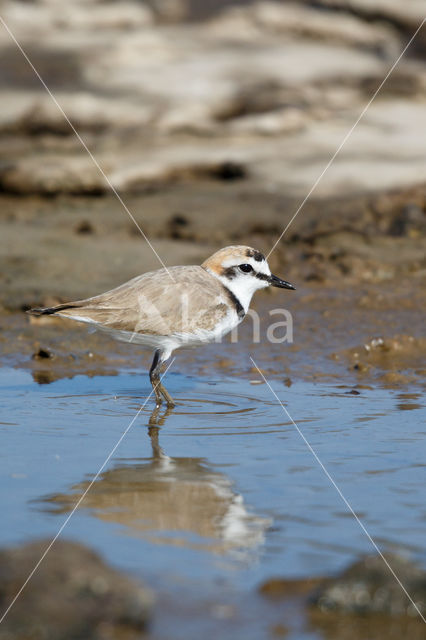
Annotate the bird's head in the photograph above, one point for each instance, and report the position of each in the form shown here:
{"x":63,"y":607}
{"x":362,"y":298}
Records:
{"x":243,"y":270}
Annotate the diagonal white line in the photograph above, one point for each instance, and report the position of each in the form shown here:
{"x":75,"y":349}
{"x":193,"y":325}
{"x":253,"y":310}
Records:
{"x":80,"y":500}
{"x":347,"y":136}
{"x":80,"y":139}
{"x":341,"y":494}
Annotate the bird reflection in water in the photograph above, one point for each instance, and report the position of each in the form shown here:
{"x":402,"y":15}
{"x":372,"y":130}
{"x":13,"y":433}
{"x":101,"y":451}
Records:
{"x":173,"y":501}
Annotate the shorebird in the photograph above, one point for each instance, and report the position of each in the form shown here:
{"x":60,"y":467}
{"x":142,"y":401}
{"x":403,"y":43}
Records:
{"x":177,"y":307}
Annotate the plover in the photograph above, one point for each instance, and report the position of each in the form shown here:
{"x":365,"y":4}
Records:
{"x":177,"y":307}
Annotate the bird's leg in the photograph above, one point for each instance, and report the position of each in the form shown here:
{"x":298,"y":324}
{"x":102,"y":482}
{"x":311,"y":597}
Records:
{"x":168,"y":398}
{"x":154,"y":375}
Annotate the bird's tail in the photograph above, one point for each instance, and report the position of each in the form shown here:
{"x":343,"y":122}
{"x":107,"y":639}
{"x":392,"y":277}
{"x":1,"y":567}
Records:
{"x":50,"y":311}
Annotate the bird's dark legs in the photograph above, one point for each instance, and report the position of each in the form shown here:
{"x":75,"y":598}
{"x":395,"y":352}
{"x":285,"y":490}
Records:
{"x":154,"y":375}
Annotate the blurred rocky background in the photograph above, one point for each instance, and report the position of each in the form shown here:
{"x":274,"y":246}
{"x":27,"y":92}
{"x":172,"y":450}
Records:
{"x":262,"y":92}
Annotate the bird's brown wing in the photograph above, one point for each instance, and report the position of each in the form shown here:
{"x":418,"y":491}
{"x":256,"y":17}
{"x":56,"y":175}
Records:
{"x":155,"y":303}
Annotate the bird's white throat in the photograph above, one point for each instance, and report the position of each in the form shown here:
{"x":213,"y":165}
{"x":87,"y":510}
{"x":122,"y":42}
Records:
{"x":243,"y":286}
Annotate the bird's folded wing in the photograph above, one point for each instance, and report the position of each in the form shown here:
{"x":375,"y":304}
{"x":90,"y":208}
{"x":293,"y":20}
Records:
{"x":156,"y":303}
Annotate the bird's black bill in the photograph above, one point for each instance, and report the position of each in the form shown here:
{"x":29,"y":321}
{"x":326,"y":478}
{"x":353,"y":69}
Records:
{"x":274,"y":281}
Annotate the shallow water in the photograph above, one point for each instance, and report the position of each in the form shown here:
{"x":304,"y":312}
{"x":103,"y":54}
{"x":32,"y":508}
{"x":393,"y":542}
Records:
{"x":225,"y":493}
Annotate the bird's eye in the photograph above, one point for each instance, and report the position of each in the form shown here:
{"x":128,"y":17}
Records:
{"x":246,"y":268}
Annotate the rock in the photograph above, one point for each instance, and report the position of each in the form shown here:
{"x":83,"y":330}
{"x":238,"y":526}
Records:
{"x":298,"y":20}
{"x":180,"y":164}
{"x":271,"y":87}
{"x":42,"y":353}
{"x":36,"y":113}
{"x":72,"y":594}
{"x":193,"y":119}
{"x":410,"y":222}
{"x":167,"y":11}
{"x":406,"y":17}
{"x":395,"y":355}
{"x":277,"y":122}
{"x":50,"y":174}
{"x":368,"y":586}
{"x":82,"y":16}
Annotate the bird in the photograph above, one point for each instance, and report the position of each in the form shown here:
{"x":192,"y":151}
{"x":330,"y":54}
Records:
{"x":174,"y":307}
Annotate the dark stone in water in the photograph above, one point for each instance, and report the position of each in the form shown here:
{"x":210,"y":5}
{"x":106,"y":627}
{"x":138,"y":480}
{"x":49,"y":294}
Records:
{"x":368,"y":586}
{"x":42,"y":354}
{"x":72,"y":594}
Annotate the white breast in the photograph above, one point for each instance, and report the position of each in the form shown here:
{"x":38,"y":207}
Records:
{"x":202,"y":336}
{"x":174,"y":341}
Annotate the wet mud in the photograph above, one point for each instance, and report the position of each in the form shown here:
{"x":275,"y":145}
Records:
{"x":357,"y":311}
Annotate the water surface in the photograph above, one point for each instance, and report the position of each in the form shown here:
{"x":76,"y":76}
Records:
{"x":222,"y":493}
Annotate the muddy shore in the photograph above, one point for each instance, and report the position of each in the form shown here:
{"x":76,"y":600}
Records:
{"x":228,"y":159}
{"x":357,"y":312}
